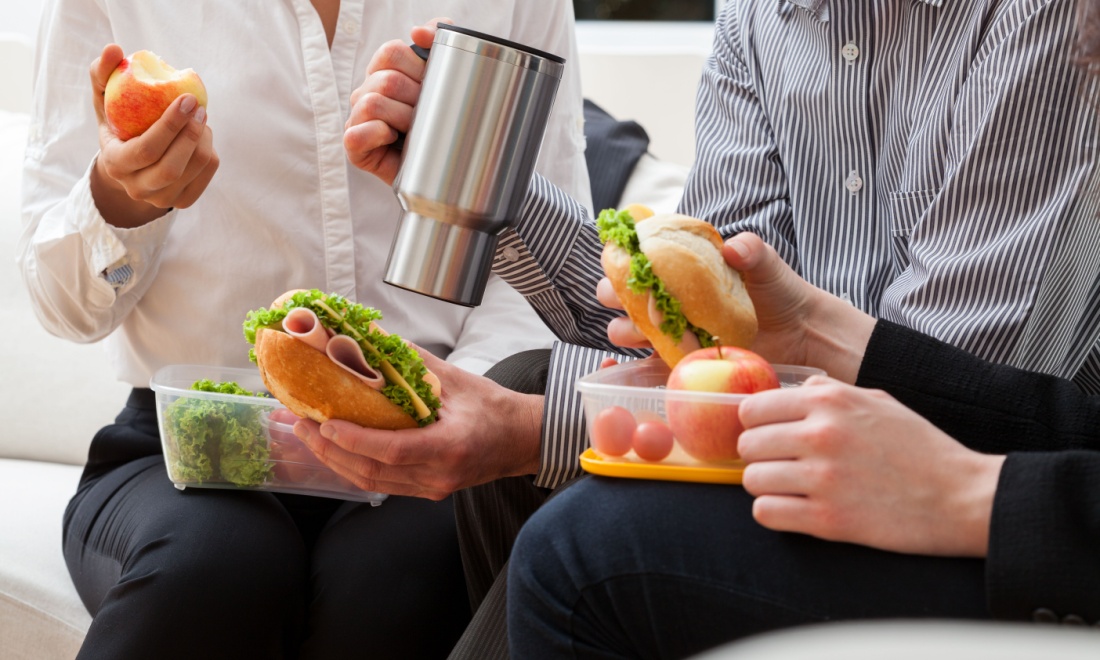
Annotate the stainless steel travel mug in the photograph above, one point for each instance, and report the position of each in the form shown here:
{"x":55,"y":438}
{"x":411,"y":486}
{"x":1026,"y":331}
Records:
{"x":467,"y":160}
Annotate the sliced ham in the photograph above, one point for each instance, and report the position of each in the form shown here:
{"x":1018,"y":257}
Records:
{"x":302,"y":324}
{"x":345,"y":351}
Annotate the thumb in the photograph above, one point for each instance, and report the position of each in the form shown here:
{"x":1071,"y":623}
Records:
{"x":745,"y":251}
{"x":100,"y":72}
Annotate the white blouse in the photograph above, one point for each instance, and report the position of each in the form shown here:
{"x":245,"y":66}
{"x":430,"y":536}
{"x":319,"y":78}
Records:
{"x":285,"y":209}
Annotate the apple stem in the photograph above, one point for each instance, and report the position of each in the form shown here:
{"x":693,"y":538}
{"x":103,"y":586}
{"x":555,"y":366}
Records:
{"x":718,"y":343}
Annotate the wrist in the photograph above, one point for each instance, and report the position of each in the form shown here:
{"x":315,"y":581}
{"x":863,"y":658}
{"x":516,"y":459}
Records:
{"x":522,"y":432}
{"x":115,"y":204}
{"x":837,"y":336}
{"x":972,"y":508}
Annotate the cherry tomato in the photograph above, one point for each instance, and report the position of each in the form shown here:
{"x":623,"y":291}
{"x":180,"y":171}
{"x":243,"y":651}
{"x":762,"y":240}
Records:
{"x":652,"y":441}
{"x":612,"y":430}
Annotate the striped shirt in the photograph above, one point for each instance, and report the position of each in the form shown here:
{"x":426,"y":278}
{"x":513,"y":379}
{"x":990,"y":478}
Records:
{"x":933,"y":161}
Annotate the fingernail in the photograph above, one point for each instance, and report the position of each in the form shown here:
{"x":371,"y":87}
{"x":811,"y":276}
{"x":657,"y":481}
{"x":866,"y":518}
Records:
{"x":740,"y":248}
{"x":301,"y":431}
{"x":200,"y":115}
{"x":328,"y":432}
{"x":188,"y":104}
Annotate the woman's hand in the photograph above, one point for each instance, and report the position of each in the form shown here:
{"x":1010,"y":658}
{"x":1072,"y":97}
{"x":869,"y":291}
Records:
{"x":849,"y":464}
{"x":170,"y":165}
{"x":382,"y":107}
{"x":484,"y":432}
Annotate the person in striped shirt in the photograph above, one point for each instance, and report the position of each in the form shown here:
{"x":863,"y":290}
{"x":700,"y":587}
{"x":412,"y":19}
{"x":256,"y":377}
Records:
{"x":931,"y":161}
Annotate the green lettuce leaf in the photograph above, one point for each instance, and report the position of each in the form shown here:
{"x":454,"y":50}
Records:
{"x":212,"y":440}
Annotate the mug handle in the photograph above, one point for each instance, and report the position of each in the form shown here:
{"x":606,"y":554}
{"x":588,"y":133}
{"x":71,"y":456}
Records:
{"x":422,"y":53}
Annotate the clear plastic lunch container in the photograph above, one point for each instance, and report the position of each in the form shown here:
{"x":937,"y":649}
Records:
{"x":637,"y":428}
{"x":214,"y":440}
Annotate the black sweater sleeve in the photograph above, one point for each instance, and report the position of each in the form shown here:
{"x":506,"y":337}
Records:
{"x":1044,"y":548}
{"x":1044,"y":539}
{"x":989,"y":408}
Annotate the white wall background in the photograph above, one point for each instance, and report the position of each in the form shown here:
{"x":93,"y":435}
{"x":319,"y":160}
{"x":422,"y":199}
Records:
{"x":20,"y":16}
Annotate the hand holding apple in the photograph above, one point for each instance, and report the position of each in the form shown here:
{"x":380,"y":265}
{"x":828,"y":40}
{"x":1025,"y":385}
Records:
{"x":170,"y":164}
{"x":141,"y":88}
{"x":709,"y":431}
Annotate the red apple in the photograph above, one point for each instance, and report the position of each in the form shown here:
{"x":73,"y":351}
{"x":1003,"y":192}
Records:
{"x":141,"y":88}
{"x":709,"y":431}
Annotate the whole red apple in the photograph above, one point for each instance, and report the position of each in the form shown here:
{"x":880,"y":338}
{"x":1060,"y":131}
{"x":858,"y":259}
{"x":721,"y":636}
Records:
{"x":709,"y":431}
{"x":141,"y":88}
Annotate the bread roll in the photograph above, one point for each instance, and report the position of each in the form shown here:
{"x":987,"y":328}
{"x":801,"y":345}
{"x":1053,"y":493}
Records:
{"x":311,"y":385}
{"x":686,"y":254}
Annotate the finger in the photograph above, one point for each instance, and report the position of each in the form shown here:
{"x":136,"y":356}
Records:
{"x":100,"y":72}
{"x":774,"y":407}
{"x":785,"y":513}
{"x":367,"y":147}
{"x":197,"y":186}
{"x":149,"y":147}
{"x":401,"y":448}
{"x":773,"y":442}
{"x":283,"y":416}
{"x":363,"y":471}
{"x":381,"y":105}
{"x":178,"y":166}
{"x":775,"y":478}
{"x":622,"y":332}
{"x":608,"y":362}
{"x":424,"y":35}
{"x":605,"y":293}
{"x":396,"y":56}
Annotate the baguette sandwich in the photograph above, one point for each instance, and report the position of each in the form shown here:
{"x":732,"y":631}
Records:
{"x":325,"y":357}
{"x":668,"y":272}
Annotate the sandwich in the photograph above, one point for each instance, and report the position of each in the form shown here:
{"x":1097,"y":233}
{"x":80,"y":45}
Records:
{"x":669,"y":274}
{"x":325,"y":357}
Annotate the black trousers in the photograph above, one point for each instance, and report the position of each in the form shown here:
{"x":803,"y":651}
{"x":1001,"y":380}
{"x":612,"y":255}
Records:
{"x":207,"y":573}
{"x":489,"y":519}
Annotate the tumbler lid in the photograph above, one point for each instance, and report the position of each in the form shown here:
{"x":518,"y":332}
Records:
{"x":500,"y":49}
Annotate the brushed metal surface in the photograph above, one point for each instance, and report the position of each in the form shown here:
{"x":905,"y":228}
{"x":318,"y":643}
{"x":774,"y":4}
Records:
{"x":467,"y":161}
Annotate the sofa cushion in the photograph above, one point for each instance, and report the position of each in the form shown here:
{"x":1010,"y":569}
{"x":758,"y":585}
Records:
{"x":41,"y":615}
{"x":58,"y":393}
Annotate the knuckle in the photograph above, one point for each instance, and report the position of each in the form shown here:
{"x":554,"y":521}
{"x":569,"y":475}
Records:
{"x":372,"y":104}
{"x":166,"y":175}
{"x":389,"y":83}
{"x":145,"y":152}
{"x":391,"y":53}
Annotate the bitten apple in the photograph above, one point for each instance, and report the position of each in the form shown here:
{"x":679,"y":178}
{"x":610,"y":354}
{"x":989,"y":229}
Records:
{"x":709,"y":431}
{"x":141,"y":88}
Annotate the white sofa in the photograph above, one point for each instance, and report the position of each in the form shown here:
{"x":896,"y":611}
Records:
{"x":55,"y":394}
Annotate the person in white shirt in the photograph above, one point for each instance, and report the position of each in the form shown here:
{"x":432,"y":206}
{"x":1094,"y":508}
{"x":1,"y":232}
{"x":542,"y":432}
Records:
{"x":161,"y":244}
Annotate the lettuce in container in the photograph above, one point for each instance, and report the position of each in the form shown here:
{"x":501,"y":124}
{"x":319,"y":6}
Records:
{"x":217,"y":440}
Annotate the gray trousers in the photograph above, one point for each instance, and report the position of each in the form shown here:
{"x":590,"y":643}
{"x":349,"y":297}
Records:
{"x":489,"y":518}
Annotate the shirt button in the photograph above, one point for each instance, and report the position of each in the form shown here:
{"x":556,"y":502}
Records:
{"x":1044,"y":615}
{"x":850,"y":52}
{"x":510,"y":254}
{"x":853,"y":183}
{"x":351,"y":27}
